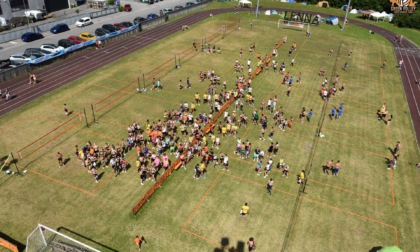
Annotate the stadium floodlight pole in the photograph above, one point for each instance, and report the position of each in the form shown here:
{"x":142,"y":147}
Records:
{"x":347,"y":13}
{"x":256,"y":11}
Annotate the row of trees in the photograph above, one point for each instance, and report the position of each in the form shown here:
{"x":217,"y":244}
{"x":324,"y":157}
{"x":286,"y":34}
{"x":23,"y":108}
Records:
{"x":401,"y":20}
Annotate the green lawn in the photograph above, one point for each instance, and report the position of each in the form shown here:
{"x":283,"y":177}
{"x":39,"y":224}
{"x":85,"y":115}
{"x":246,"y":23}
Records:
{"x":365,"y":206}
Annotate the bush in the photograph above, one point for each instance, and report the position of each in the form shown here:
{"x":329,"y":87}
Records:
{"x":407,"y":20}
{"x":121,"y":8}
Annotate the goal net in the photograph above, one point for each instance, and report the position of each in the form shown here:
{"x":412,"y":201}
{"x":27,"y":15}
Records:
{"x":45,"y":239}
{"x":290,"y":24}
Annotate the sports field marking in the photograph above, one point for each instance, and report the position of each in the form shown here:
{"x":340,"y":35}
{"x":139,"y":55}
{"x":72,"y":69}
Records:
{"x":184,"y":229}
{"x":102,"y":183}
{"x":54,"y":180}
{"x":354,"y":148}
{"x":110,"y":88}
{"x":325,"y":129}
{"x":65,"y":131}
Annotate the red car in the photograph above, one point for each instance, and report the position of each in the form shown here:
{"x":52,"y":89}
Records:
{"x":127,"y":7}
{"x":120,"y":26}
{"x":75,"y":39}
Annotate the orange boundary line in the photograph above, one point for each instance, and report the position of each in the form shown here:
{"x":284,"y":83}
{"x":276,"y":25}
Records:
{"x":294,"y":195}
{"x":82,"y":88}
{"x":55,"y":180}
{"x":391,"y":179}
{"x":101,"y":184}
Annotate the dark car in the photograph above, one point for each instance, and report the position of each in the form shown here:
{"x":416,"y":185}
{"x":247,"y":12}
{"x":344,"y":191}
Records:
{"x":120,"y":26}
{"x":101,"y":32}
{"x":37,"y":52}
{"x":110,"y":27}
{"x":31,"y":36}
{"x":75,"y":39}
{"x":178,"y":7}
{"x":189,"y":4}
{"x":59,"y":28}
{"x":65,"y":43}
{"x":151,"y":16}
{"x":127,"y":7}
{"x":139,"y":20}
{"x":126,"y":24}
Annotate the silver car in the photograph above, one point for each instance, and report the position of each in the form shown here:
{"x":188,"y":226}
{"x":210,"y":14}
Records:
{"x":20,"y":58}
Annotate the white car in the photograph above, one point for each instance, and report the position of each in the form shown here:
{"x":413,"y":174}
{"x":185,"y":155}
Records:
{"x":51,"y":48}
{"x":84,"y":21}
{"x":21,"y":58}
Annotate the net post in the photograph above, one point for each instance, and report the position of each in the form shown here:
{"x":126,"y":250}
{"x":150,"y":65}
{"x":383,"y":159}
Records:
{"x":87,"y":124}
{"x":144,"y":83}
{"x":138,"y":84}
{"x":14,"y":162}
{"x":93,"y":113}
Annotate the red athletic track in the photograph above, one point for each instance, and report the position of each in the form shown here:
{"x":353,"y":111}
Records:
{"x":74,"y":67}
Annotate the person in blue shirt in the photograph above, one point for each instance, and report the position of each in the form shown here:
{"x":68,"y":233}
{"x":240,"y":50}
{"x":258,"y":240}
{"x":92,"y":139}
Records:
{"x":309,"y":115}
{"x":291,"y":80}
{"x":339,"y":113}
{"x":332,"y":113}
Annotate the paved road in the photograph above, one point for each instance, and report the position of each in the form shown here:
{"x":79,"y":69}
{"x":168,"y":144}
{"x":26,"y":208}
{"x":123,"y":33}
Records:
{"x":139,"y":10}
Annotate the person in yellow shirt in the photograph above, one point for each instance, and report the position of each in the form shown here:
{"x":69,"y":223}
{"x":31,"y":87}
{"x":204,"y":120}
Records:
{"x":245,"y":210}
{"x":192,"y":107}
{"x":197,"y":98}
{"x":224,"y":130}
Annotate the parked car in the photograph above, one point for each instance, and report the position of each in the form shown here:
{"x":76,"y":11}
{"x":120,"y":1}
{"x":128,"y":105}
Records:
{"x":139,"y":20}
{"x":59,"y":28}
{"x":126,"y":24}
{"x":197,"y":1}
{"x":75,"y":39}
{"x":167,"y":10}
{"x":101,"y":32}
{"x":151,"y":16}
{"x":84,"y":21}
{"x":51,"y":48}
{"x":87,"y":36}
{"x":34,"y":15}
{"x":31,"y":36}
{"x":120,"y":26}
{"x":188,"y":4}
{"x":178,"y":7}
{"x":20,"y":58}
{"x":37,"y":52}
{"x":65,"y":43}
{"x":110,"y":27}
{"x":127,"y":7}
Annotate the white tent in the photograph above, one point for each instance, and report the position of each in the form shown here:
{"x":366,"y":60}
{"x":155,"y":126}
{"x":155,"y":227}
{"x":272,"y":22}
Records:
{"x":377,"y":15}
{"x":245,"y":4}
{"x":267,"y":12}
{"x":354,"y":11}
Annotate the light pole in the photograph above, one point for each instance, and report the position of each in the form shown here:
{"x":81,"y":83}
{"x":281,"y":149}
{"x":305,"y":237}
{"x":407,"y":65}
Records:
{"x":347,"y":13}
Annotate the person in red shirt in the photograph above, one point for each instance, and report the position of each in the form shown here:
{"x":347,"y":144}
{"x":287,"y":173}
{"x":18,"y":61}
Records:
{"x":139,"y":240}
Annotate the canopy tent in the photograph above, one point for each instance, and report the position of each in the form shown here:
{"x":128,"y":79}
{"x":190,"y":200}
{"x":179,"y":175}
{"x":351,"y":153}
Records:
{"x":332,"y":20}
{"x":354,"y":11}
{"x":267,"y":12}
{"x":245,"y":4}
{"x":377,"y":15}
{"x":390,"y":249}
{"x":366,"y":13}
{"x":323,"y":4}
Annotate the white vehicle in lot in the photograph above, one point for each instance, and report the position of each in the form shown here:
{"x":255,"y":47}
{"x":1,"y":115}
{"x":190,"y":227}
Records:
{"x":36,"y":14}
{"x":51,"y":48}
{"x":167,"y":10}
{"x":20,"y":58}
{"x":84,"y":21}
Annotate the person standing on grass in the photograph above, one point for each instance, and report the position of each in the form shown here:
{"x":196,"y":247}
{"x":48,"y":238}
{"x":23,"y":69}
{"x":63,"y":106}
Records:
{"x":188,"y":82}
{"x":333,"y":111}
{"x":309,"y":116}
{"x":397,"y":149}
{"x":95,"y":174}
{"x":388,"y":122}
{"x":66,"y":110}
{"x":251,"y":244}
{"x":336,"y":168}
{"x":60,"y":159}
{"x":138,"y":241}
{"x":270,"y":185}
{"x":327,"y":167}
{"x":245,"y":210}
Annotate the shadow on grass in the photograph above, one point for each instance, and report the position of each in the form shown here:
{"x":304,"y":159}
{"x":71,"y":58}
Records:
{"x":224,"y":246}
{"x":375,"y":249}
{"x":103,"y":246}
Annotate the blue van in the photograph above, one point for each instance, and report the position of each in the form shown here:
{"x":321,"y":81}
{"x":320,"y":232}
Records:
{"x":59,"y":28}
{"x":31,"y":36}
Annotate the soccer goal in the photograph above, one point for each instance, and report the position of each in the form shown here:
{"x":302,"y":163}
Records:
{"x":45,"y":239}
{"x":289,"y":24}
{"x":6,"y":167}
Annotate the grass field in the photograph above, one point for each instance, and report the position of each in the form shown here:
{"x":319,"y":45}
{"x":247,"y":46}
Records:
{"x":366,"y":206}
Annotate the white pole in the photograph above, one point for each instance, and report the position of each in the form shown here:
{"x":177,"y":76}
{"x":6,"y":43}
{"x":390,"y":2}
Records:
{"x":347,"y":13}
{"x":258,"y":6}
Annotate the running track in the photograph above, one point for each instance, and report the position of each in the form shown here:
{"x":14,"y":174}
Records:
{"x":74,"y":67}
